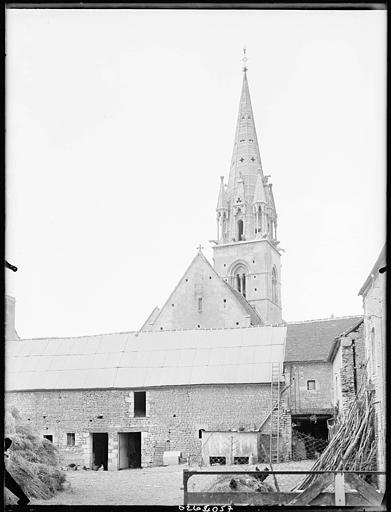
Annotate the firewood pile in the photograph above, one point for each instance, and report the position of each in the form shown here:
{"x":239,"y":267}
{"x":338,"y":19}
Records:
{"x":353,"y":446}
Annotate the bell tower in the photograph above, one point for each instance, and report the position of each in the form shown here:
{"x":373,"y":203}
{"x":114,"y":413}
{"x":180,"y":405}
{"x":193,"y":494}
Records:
{"x":246,"y":253}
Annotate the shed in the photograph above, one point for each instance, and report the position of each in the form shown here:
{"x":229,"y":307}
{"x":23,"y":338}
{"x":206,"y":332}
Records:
{"x":229,"y":447}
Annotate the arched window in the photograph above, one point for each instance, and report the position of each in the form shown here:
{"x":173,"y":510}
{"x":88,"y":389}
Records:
{"x":239,"y":279}
{"x":274,"y":286}
{"x":240,"y":229}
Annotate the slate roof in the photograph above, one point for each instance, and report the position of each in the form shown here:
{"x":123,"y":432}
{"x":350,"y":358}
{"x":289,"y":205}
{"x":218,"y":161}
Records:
{"x":145,"y":359}
{"x":312,"y":340}
{"x":337,"y":341}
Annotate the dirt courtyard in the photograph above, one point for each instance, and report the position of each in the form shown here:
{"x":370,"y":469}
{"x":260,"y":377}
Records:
{"x":147,"y":486}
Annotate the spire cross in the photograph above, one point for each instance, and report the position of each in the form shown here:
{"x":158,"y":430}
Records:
{"x":244,"y":60}
{"x":199,"y":247}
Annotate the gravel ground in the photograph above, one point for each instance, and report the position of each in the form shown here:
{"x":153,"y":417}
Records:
{"x":147,"y":486}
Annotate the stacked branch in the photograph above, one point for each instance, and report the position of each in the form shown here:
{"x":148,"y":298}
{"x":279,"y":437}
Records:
{"x":353,"y":447}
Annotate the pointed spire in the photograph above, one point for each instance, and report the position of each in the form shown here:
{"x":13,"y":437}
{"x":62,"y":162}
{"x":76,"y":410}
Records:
{"x":244,"y":60}
{"x":245,"y":157}
{"x":259,"y":194}
{"x":222,"y":200}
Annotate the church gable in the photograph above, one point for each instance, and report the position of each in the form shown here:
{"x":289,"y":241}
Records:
{"x":203,"y":300}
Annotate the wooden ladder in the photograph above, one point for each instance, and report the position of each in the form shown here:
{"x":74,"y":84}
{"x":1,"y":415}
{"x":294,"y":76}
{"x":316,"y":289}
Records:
{"x":275,"y":392}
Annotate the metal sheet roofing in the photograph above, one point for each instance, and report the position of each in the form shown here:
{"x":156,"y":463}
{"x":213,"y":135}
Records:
{"x":145,"y":359}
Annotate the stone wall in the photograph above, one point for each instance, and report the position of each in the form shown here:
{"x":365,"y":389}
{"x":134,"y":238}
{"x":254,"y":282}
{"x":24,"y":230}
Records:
{"x":200,"y":301}
{"x":310,"y":401}
{"x":352,"y":372}
{"x":174,"y":416}
{"x":259,"y":257}
{"x":374,"y":302}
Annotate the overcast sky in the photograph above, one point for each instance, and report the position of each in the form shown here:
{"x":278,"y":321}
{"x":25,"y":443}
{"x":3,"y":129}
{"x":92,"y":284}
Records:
{"x":120,"y":122}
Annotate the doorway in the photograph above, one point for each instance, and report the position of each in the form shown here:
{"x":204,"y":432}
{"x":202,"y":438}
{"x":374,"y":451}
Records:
{"x":100,"y":445}
{"x":129,"y":450}
{"x":309,"y":436}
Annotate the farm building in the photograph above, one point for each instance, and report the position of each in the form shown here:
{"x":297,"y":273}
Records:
{"x":217,"y":361}
{"x":121,"y":400}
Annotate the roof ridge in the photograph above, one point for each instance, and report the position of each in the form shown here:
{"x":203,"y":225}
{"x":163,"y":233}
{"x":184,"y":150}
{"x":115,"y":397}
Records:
{"x":323,"y":319}
{"x":137,"y":333}
{"x":76,"y":337}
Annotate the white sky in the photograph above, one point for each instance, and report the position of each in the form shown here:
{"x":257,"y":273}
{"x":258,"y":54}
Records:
{"x":120,"y":122}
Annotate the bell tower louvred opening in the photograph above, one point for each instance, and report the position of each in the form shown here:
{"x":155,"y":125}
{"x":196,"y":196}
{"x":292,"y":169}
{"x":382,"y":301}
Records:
{"x":247,"y":219}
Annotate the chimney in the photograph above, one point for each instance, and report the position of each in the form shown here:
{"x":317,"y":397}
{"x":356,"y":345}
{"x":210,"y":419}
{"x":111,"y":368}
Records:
{"x":10,"y":332}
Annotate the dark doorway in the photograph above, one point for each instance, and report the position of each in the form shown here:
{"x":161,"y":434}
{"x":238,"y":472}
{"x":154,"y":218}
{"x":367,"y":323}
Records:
{"x":129,"y":450}
{"x":100,"y":444}
{"x":309,"y":436}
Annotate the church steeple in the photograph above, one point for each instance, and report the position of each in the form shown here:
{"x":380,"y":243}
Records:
{"x":246,"y":183}
{"x":246,"y":251}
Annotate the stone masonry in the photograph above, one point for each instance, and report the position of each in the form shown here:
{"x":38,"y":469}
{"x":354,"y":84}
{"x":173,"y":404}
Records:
{"x":352,"y":372}
{"x":174,"y":416}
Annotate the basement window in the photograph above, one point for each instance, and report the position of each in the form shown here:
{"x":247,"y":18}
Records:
{"x":70,"y":439}
{"x":311,"y":385}
{"x":222,"y":461}
{"x":139,"y":404}
{"x":241,"y":460}
{"x":49,"y":437}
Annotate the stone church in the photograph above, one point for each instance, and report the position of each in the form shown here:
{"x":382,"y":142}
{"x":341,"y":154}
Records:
{"x":215,"y":362}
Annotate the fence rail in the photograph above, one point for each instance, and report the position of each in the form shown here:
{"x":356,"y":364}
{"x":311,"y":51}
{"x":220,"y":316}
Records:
{"x":331,"y":488}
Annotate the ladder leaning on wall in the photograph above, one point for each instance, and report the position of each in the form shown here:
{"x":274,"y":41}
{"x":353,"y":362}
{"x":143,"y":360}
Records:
{"x":275,"y":393}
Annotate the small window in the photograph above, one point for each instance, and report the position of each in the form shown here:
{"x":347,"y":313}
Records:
{"x":222,"y":461}
{"x":311,"y":385}
{"x":199,"y":304}
{"x":49,"y":437}
{"x":139,"y":403}
{"x":241,"y":460}
{"x":70,"y":439}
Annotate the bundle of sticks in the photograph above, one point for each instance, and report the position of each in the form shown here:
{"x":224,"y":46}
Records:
{"x":353,"y":446}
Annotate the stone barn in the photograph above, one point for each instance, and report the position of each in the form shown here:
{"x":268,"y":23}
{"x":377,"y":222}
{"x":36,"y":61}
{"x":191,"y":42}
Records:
{"x":122,"y":400}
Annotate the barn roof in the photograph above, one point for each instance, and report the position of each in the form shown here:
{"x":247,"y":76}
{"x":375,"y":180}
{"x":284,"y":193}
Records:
{"x":312,"y":340}
{"x":145,"y":359}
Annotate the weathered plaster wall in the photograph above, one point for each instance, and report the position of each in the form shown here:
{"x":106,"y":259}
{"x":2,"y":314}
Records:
{"x":374,"y":302}
{"x":304,"y":401}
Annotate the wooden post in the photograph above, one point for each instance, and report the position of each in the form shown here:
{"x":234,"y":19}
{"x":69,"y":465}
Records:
{"x":185,"y":480}
{"x":339,"y":489}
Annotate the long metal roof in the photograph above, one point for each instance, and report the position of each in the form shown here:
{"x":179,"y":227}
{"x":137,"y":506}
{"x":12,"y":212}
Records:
{"x":145,"y":359}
